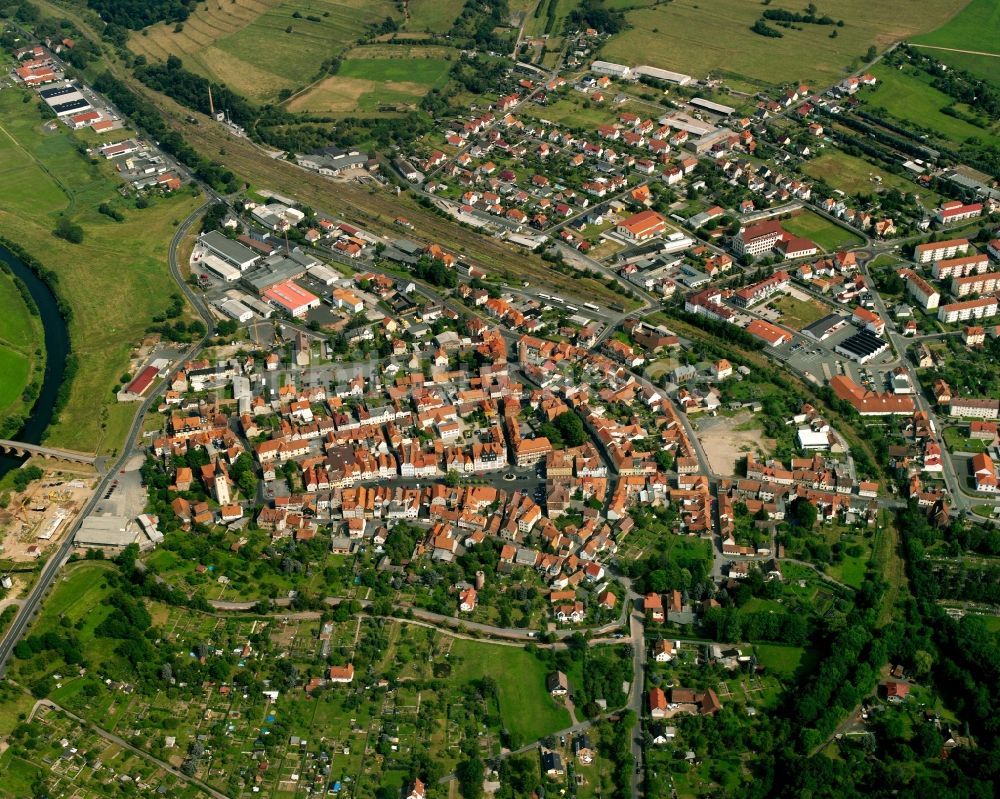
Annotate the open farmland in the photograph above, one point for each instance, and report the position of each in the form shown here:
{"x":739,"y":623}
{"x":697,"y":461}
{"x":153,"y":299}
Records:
{"x":118,"y":265}
{"x":825,"y":233}
{"x":248,"y":46}
{"x":976,"y":28}
{"x":370,"y":84}
{"x":685,"y":36}
{"x":907,"y":95}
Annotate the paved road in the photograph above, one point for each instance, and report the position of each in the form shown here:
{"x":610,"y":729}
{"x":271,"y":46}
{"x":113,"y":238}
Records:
{"x":638,"y":641}
{"x":51,"y":568}
{"x":110,"y":736}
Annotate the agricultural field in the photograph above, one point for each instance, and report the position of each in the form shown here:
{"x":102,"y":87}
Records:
{"x":389,"y":79}
{"x":684,"y":36}
{"x":975,"y":28}
{"x":826,"y":234}
{"x":248,"y":45}
{"x":20,"y":351}
{"x":907,"y":95}
{"x":854,"y":175}
{"x":118,"y":265}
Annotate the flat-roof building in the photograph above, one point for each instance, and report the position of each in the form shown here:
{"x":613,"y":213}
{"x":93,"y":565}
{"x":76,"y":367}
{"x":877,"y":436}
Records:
{"x":663,"y":74}
{"x":825,"y":327}
{"x":292,"y":298}
{"x":715,"y":108}
{"x":232,"y":251}
{"x":862,"y":347}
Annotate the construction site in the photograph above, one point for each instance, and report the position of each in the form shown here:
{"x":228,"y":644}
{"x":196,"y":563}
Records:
{"x":36,"y":519}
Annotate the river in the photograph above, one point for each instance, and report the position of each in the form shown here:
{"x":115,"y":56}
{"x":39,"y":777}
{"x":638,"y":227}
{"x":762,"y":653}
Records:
{"x":56,"y":351}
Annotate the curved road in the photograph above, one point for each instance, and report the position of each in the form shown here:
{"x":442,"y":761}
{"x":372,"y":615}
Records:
{"x":51,"y":569}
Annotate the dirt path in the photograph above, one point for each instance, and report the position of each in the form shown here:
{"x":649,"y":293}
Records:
{"x":956,"y":50}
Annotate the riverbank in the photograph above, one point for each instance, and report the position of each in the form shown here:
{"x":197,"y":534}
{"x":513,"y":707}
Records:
{"x":22,"y":352}
{"x":51,"y":349}
{"x":114,"y":282}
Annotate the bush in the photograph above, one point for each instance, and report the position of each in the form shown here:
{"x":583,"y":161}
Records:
{"x":69,"y":231}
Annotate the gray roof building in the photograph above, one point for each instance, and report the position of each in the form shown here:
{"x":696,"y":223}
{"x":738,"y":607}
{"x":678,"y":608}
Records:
{"x":231,"y":251}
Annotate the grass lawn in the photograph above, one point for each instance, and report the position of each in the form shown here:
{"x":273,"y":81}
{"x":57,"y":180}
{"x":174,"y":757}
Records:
{"x":294,"y":57}
{"x":798,"y":313}
{"x":576,"y":111}
{"x":906,"y":94}
{"x":118,"y":265}
{"x":781,"y":659}
{"x":684,"y":36}
{"x":825,"y":233}
{"x":436,"y":16}
{"x":525,"y":706}
{"x":19,"y":776}
{"x":369,"y":84}
{"x":956,"y":442}
{"x":77,"y":596}
{"x":984,"y":510}
{"x":853,"y":175}
{"x":20,"y":345}
{"x":975,"y":27}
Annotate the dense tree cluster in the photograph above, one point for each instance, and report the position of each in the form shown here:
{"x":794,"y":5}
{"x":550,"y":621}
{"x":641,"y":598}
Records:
{"x":480,"y":25}
{"x":595,"y":14}
{"x":136,"y":14}
{"x":192,"y":90}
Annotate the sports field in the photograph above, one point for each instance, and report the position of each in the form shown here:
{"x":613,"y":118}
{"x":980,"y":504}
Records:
{"x":825,"y":233}
{"x":855,"y":175}
{"x":118,"y":266}
{"x":368,"y":85}
{"x":686,"y":36}
{"x":247,"y":44}
{"x":907,"y":95}
{"x":20,"y":340}
{"x":976,"y":27}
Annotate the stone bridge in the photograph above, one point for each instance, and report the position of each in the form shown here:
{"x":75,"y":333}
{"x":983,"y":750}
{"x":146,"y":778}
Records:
{"x":21,"y":449}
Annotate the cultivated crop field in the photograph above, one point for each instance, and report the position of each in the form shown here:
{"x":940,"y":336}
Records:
{"x":119,"y":264}
{"x":697,"y":38}
{"x":248,"y":45}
